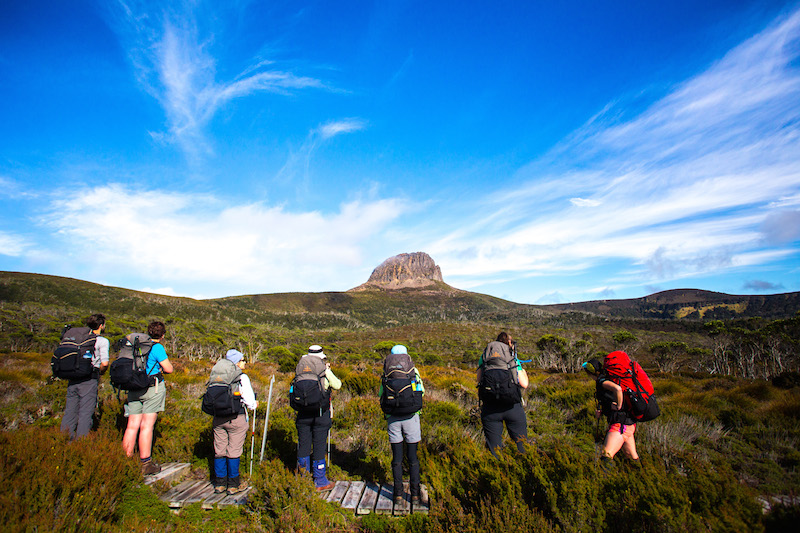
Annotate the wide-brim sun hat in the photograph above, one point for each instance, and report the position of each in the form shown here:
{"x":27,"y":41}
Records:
{"x":316,"y":349}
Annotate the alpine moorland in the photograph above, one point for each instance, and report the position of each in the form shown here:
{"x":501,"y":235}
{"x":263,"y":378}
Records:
{"x":723,"y":456}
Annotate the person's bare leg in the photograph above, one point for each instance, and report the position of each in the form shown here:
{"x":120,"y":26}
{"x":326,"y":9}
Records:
{"x":146,"y":434}
{"x":131,"y":434}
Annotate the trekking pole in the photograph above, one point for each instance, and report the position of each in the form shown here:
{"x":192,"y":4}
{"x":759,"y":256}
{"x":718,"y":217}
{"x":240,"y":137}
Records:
{"x":252,"y":441}
{"x":266,"y":419}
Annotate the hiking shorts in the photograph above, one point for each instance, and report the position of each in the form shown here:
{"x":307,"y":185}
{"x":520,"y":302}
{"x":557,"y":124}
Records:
{"x":149,"y":400}
{"x":405,"y":428}
{"x":626,"y":430}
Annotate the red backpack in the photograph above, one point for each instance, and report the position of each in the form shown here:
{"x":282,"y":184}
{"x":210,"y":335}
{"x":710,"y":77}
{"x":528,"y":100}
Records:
{"x":638,"y":393}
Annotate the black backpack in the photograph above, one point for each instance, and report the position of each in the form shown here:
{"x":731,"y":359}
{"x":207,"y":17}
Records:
{"x":222,"y":396}
{"x":307,"y":393}
{"x":498,"y":385}
{"x":72,"y":359}
{"x":129,"y":369}
{"x":399,"y":378}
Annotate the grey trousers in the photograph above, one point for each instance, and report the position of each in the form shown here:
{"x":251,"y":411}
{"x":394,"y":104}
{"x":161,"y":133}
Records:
{"x":81,"y":402}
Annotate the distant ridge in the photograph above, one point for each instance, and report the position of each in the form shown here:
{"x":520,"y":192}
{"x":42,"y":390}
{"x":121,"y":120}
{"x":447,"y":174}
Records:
{"x":691,"y":304}
{"x":376,"y":306}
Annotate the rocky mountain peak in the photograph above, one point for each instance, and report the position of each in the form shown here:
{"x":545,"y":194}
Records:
{"x":412,"y":270}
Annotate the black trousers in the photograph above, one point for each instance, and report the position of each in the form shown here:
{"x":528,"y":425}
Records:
{"x":493,"y":418}
{"x":312,"y":435}
{"x":397,"y":466}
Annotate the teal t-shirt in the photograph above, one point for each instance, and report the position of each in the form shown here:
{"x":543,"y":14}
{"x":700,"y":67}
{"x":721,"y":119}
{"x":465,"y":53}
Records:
{"x":157,"y":354}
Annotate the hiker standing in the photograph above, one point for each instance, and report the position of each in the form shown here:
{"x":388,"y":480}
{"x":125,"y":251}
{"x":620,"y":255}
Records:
{"x":145,"y":404}
{"x":230,"y":432}
{"x":501,"y":380}
{"x":401,"y":392}
{"x":621,"y":425}
{"x":310,"y":396}
{"x":82,"y":392}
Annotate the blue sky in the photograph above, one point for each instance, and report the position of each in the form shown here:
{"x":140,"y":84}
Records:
{"x":542,"y":152}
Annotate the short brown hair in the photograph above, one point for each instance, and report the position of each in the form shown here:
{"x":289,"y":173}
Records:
{"x":504,"y":338}
{"x":156,"y":329}
{"x":95,"y":321}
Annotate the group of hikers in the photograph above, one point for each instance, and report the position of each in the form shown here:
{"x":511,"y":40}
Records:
{"x":623,"y":392}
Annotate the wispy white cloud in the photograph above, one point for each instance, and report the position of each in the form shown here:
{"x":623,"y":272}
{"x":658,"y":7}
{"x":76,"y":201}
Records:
{"x":170,"y":238}
{"x":12,"y":245}
{"x":173,"y":60}
{"x":334,"y":128}
{"x":701,"y":181}
{"x":298,"y":162}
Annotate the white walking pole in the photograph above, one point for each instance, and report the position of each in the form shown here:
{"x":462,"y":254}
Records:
{"x":266,"y":419}
{"x":252,"y":441}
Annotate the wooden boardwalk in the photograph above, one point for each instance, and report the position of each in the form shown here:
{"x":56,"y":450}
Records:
{"x":192,"y":490}
{"x":364,"y":497}
{"x":358,"y":496}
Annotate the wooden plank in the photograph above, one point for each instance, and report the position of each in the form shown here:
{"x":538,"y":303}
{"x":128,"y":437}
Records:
{"x":235,"y":499}
{"x":384,"y":504}
{"x":171,"y":493}
{"x":169,"y":472}
{"x":424,"y":501}
{"x":213,"y":499}
{"x":199,"y":495}
{"x":353,"y":495}
{"x":337,"y":493}
{"x":404,"y":507}
{"x":188,"y":493}
{"x":368,"y":499}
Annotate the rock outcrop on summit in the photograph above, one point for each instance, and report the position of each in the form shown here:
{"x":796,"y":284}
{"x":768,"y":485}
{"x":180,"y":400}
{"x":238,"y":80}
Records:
{"x":415,"y":270}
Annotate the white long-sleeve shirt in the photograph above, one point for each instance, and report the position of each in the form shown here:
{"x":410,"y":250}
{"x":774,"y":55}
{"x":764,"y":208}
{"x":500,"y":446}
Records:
{"x":246,"y":390}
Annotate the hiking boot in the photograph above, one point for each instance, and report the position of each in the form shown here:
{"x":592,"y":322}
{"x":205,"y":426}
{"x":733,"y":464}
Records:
{"x":150,"y":467}
{"x":415,"y":495}
{"x":220,"y":484}
{"x":319,"y":471}
{"x":236,"y":485}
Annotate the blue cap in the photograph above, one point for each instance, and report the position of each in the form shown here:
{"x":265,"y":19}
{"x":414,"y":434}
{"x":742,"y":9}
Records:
{"x":399,"y":348}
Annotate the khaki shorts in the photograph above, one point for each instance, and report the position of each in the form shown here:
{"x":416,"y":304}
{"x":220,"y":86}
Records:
{"x":150,"y":400}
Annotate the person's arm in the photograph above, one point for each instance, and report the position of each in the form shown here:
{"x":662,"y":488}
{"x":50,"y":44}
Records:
{"x":419,"y":384}
{"x":246,"y":390}
{"x":334,"y":382}
{"x":166,"y":366}
{"x":617,"y":390}
{"x":102,"y":345}
{"x":522,"y":376}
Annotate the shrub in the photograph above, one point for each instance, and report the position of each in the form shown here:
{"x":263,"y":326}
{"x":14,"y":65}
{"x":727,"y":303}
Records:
{"x":361,"y":383}
{"x":51,"y":483}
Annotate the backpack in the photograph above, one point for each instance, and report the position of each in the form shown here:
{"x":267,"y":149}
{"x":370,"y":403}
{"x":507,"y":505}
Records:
{"x":638,"y":393}
{"x":129,"y":369}
{"x":72,"y":359}
{"x":307,"y":392}
{"x":222,"y":397}
{"x":499,"y":384}
{"x":401,"y":394}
